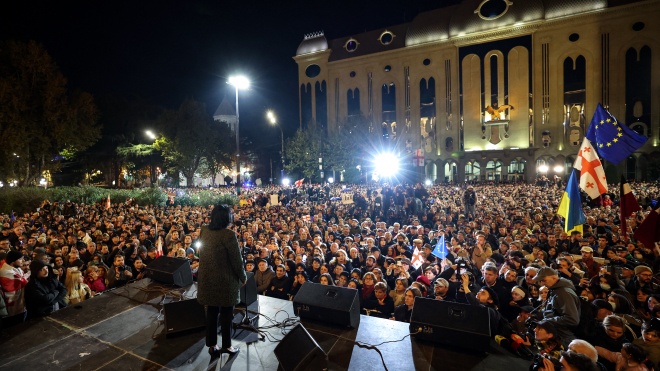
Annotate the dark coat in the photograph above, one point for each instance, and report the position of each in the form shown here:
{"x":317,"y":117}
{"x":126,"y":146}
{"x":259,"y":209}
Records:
{"x":221,"y":272}
{"x":43,"y":296}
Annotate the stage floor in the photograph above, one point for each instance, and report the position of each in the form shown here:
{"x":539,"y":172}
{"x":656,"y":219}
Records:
{"x":124,"y":330}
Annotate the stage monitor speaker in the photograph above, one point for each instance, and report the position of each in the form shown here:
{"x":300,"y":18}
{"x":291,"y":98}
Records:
{"x":248,"y":291}
{"x":174,"y":271}
{"x":182,"y":316}
{"x":331,"y":304}
{"x":298,"y":351}
{"x":453,"y":324}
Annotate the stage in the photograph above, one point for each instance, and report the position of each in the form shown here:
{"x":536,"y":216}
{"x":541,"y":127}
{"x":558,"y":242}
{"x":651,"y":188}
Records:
{"x":124,"y":329}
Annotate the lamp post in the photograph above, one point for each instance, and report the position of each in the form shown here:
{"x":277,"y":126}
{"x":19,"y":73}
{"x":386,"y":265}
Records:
{"x":273,"y":121}
{"x":239,"y":83}
{"x":152,"y":177}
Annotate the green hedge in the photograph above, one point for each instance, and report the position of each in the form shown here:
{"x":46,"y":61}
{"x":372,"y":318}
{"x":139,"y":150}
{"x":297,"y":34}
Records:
{"x":27,"y":199}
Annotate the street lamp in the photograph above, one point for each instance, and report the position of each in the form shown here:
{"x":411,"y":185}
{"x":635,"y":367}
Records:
{"x":273,"y":121}
{"x":239,"y":83}
{"x":152,"y":177}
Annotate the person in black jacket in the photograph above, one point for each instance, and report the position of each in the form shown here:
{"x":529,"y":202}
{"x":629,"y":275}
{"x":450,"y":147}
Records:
{"x":280,"y":284}
{"x":44,"y":294}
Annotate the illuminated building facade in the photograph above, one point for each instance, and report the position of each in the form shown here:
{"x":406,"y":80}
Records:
{"x":493,"y":90}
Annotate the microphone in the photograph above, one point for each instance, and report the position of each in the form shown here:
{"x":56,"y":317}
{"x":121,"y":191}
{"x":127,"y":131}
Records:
{"x":518,"y":344}
{"x":505,"y":343}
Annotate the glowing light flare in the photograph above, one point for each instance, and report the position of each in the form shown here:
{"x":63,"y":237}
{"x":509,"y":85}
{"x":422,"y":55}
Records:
{"x":558,"y":169}
{"x":386,"y":165}
{"x":240,"y":82}
{"x":543,"y":168}
{"x":286,"y":181}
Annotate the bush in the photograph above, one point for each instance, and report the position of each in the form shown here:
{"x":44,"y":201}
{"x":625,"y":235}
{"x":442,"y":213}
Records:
{"x":28,"y":199}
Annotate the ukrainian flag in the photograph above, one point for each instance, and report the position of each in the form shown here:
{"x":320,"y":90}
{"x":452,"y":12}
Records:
{"x":570,"y":206}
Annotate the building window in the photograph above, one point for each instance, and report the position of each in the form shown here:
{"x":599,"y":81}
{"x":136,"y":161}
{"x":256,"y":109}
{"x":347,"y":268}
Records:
{"x":351,"y":45}
{"x":573,"y":37}
{"x":492,"y":9}
{"x":386,"y":37}
{"x":638,"y":26}
{"x":312,"y":70}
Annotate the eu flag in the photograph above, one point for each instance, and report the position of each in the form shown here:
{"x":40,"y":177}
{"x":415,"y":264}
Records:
{"x":440,"y":248}
{"x":570,"y":206}
{"x":615,"y":140}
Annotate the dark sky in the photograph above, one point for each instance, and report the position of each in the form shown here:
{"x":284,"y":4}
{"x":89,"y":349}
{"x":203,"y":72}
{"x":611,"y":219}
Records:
{"x":166,"y":51}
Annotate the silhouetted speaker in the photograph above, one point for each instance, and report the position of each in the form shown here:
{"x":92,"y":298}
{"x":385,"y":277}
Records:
{"x":454,"y":324}
{"x":332,"y":304}
{"x":248,"y":291}
{"x":299,"y":351}
{"x":182,"y":316}
{"x":174,"y":271}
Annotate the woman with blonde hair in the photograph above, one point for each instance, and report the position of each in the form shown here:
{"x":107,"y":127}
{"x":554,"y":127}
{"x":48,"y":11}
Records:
{"x":77,"y":290}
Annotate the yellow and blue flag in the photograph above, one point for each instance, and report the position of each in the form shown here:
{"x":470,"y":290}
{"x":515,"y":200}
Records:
{"x":615,"y":140}
{"x":570,"y":206}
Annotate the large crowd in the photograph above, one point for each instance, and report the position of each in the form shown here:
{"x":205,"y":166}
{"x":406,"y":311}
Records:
{"x":588,"y":299}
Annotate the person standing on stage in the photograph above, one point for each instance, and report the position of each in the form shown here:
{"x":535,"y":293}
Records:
{"x":219,"y":278}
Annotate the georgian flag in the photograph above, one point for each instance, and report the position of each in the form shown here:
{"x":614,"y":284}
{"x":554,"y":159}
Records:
{"x":416,"y":260}
{"x":592,"y":174}
{"x":299,"y":182}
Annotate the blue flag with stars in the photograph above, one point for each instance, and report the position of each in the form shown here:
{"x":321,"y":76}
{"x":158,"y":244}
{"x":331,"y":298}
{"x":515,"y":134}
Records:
{"x":615,"y":140}
{"x":440,"y":248}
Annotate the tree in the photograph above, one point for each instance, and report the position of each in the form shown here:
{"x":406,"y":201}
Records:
{"x":218,"y":154}
{"x":40,"y":123}
{"x":187,"y":135}
{"x":302,"y":151}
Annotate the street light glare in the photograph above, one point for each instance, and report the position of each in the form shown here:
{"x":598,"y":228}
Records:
{"x":286,"y":182}
{"x":271,"y":117}
{"x":150,"y":134}
{"x":240,"y":82}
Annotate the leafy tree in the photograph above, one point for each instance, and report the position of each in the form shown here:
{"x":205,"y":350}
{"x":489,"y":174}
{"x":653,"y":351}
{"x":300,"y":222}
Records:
{"x":186,"y":137}
{"x":41,"y":124}
{"x":143,"y":153}
{"x":302,"y":151}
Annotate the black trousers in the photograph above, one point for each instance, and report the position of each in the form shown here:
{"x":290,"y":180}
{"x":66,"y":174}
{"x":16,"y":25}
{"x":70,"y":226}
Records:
{"x":226,"y":317}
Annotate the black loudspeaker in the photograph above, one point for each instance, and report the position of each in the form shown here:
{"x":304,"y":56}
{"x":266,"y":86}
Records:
{"x":248,"y":291}
{"x":184,"y":316}
{"x":332,"y":304}
{"x":174,"y":271}
{"x":454,"y":324}
{"x":299,"y":351}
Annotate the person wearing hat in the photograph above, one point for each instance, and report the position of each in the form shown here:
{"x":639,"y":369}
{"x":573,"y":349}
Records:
{"x":13,"y":282}
{"x":643,"y":279}
{"x":441,"y":290}
{"x":44,"y":293}
{"x":593,"y":267}
{"x":562,"y":306}
{"x":486,"y":297}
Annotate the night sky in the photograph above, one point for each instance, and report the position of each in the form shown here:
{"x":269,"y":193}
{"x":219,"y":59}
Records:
{"x":165,"y":51}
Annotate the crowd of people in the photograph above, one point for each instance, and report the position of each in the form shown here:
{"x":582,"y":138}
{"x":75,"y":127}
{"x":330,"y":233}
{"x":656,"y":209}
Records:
{"x":586,"y":300}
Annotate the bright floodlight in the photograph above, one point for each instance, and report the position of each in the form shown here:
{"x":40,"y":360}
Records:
{"x":150,"y":134}
{"x":428,"y":182}
{"x":543,"y":168}
{"x":271,"y":117}
{"x":558,"y":169}
{"x":386,"y":165}
{"x":240,"y":82}
{"x":331,"y":180}
{"x":286,"y":181}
